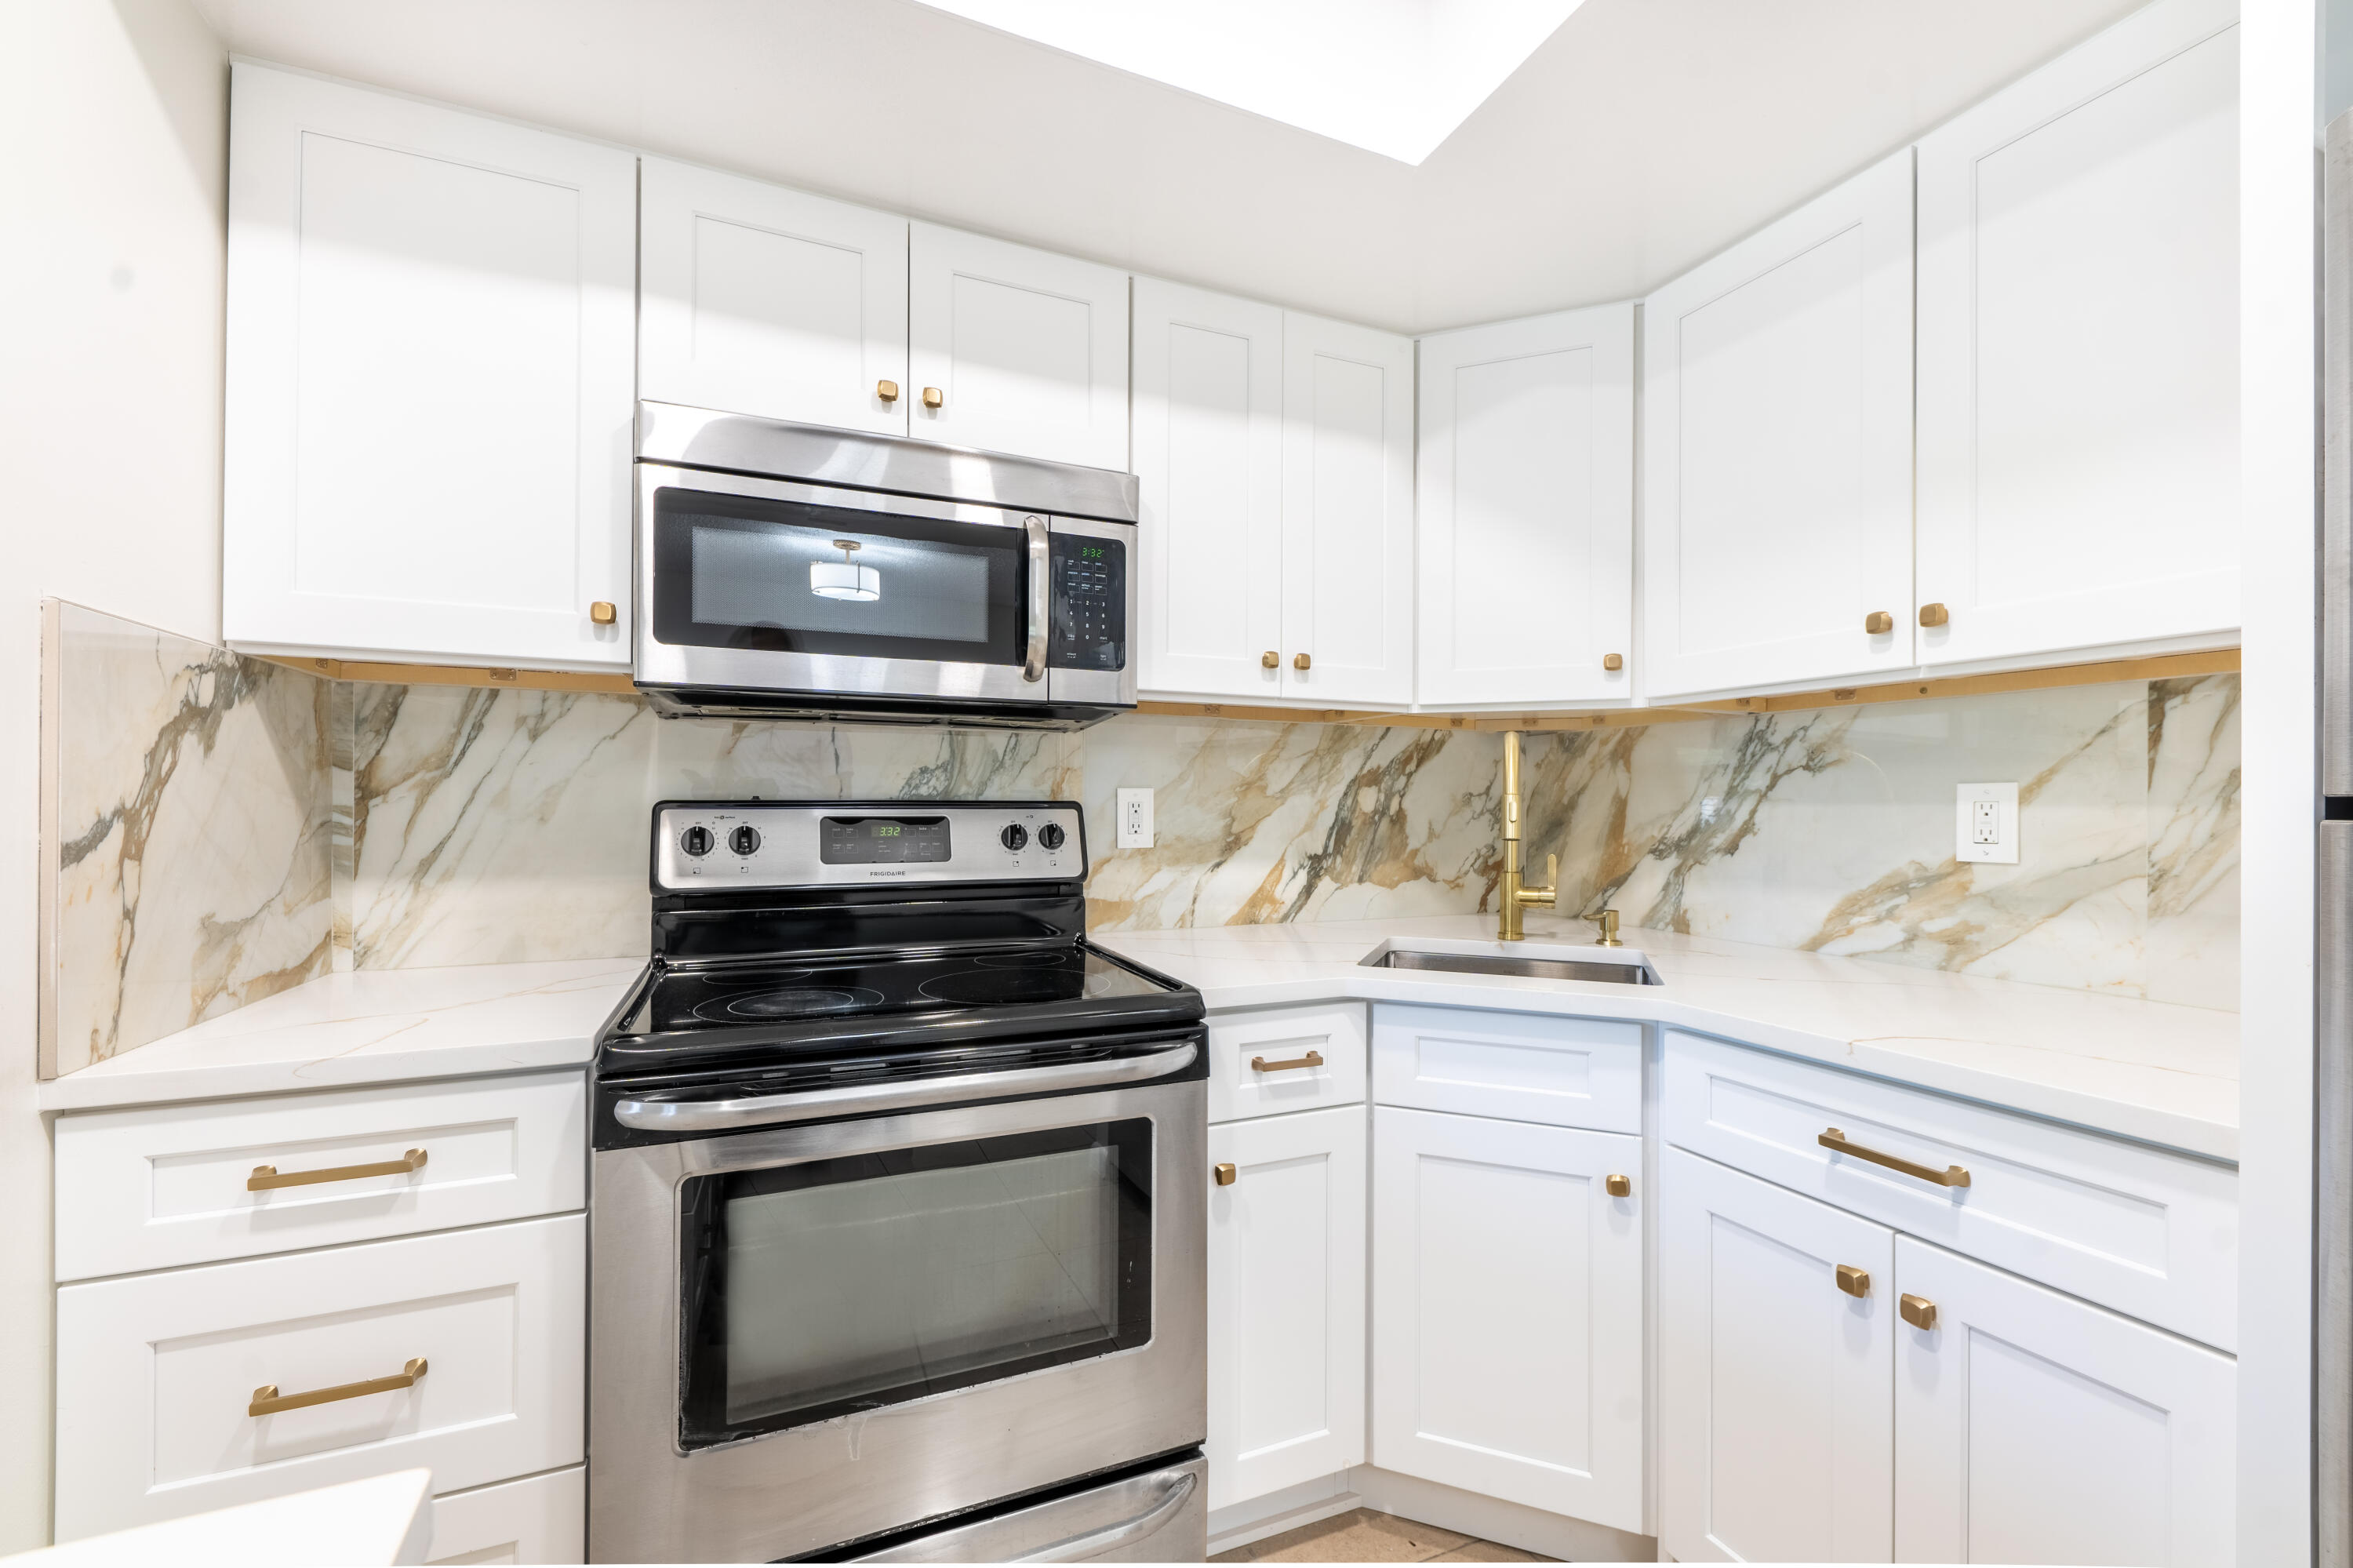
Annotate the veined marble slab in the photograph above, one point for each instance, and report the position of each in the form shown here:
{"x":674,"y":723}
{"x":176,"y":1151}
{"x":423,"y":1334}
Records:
{"x":2159,"y":1071}
{"x":378,"y":1026}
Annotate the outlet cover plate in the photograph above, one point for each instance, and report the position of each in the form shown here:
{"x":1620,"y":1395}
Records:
{"x":1985,"y":824}
{"x":1135,"y":819}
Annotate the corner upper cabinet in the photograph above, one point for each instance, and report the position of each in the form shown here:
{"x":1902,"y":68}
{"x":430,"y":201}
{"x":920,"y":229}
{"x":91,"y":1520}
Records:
{"x":430,"y":381}
{"x":2079,"y":349}
{"x":1347,"y":511}
{"x":1525,"y":511}
{"x":758,"y":300}
{"x":1777,"y":528}
{"x":1015,"y":350}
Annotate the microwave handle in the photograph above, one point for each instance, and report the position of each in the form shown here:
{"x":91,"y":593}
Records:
{"x":1033,"y":667}
{"x":857,"y":1099}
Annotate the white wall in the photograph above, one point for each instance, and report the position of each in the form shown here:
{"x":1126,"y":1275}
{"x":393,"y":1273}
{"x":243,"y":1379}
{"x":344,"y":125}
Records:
{"x":2276,"y":219}
{"x":114,"y":113}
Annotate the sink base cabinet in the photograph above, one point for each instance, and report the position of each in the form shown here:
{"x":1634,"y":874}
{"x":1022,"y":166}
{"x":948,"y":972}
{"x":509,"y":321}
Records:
{"x":1507,"y":1312}
{"x":1286,"y":1302}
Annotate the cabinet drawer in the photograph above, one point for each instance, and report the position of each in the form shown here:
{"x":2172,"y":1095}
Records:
{"x":1248,"y":1052}
{"x":160,"y":1187}
{"x":2150,"y":1233}
{"x":157,"y":1373}
{"x":1567,"y":1072}
{"x":542,"y":1520}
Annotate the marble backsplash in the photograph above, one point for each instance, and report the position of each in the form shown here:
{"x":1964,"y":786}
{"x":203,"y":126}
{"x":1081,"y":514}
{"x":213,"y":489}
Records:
{"x":306,"y":824}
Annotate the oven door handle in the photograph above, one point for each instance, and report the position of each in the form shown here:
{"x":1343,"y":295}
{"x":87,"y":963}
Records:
{"x":1095,"y":1542}
{"x":856,"y":1099}
{"x":1033,"y":666}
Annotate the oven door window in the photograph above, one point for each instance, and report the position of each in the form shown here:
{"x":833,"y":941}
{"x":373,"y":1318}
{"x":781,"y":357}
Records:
{"x":774,"y":575}
{"x":817,"y":1290}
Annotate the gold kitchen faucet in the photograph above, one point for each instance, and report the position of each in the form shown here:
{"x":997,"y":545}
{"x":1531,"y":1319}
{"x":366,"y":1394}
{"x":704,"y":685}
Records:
{"x":1515,"y":897}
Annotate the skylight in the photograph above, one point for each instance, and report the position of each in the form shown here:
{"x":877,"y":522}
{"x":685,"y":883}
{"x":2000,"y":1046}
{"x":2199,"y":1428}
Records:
{"x":1394,"y":77}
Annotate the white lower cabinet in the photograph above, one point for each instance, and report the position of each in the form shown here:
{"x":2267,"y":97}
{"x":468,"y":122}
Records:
{"x":2032,"y":1427}
{"x":179,"y":1392}
{"x":1507,"y":1311}
{"x":540,"y":1519}
{"x":1776,"y":1428}
{"x":1286,"y":1301}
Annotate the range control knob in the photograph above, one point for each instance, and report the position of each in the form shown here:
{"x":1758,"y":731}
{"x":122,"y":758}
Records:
{"x":696,"y":841}
{"x":1014,"y":836}
{"x":745,"y":840}
{"x":1052,"y":836}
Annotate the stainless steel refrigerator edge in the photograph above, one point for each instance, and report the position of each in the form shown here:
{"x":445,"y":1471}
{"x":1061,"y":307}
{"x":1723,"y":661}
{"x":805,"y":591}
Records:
{"x":2333,"y":955}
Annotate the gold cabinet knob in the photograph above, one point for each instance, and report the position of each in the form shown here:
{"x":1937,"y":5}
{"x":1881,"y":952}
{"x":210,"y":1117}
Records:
{"x":1878,"y":621}
{"x":1617,"y":1186}
{"x":1853,"y":1280}
{"x":1918,"y":1310}
{"x":887,"y":390}
{"x":1300,"y":661}
{"x":1613,"y":661}
{"x":934,"y":397}
{"x":602,"y":614}
{"x":1935,"y":615}
{"x":1225,"y":1173}
{"x":1270,"y":659}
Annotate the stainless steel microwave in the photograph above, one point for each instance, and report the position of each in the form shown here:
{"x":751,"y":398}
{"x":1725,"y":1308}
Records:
{"x":793,"y":571}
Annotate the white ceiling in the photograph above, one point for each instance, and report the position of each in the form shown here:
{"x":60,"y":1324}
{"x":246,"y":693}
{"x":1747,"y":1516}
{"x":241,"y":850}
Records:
{"x":1394,"y":77}
{"x":1641,"y":137}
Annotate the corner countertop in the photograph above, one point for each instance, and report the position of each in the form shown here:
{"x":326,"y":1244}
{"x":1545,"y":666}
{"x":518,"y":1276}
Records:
{"x":2156,"y":1071}
{"x":375,"y":1026}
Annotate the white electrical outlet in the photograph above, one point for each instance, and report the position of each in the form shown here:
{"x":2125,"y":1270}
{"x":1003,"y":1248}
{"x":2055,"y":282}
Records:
{"x":1135,"y":819}
{"x":1985,"y":827}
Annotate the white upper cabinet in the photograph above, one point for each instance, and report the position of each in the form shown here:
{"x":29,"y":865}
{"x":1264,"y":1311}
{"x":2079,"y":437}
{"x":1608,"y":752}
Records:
{"x":431,"y":360}
{"x":1208,"y":466}
{"x":1015,"y":350}
{"x":758,"y":300}
{"x":1777,"y":450}
{"x":2079,"y":349}
{"x":1525,"y":492}
{"x":1347,"y":510}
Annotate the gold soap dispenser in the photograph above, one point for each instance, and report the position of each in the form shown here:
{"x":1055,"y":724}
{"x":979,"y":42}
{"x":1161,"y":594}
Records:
{"x":1514,"y":897}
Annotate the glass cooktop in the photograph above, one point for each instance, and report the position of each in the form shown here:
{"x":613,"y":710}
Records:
{"x":739,"y":995}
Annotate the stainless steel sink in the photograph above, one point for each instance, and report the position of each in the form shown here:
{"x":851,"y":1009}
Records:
{"x":1636,"y":972}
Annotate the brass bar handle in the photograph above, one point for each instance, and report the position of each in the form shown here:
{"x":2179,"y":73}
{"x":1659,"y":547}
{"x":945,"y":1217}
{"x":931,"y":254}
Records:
{"x":266,"y":1177}
{"x":1853,"y":1280}
{"x":1225,"y":1173}
{"x":1951,"y":1176}
{"x":1918,"y":1310}
{"x":1261,"y":1065}
{"x":268,"y":1400}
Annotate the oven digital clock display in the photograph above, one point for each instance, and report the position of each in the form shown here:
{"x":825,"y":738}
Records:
{"x":883,"y":840}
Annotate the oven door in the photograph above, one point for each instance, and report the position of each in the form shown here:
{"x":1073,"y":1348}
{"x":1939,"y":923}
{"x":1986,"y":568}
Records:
{"x":806,"y":1335}
{"x":757,"y":585}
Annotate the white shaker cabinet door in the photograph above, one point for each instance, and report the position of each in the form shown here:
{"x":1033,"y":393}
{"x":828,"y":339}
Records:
{"x":1286,"y":1301}
{"x":2032,"y":1427}
{"x":1525,"y":511}
{"x":1507,"y":1311}
{"x":758,"y":300}
{"x":1015,"y":350}
{"x":1347,"y":513}
{"x":1776,"y":1436}
{"x":430,"y":381}
{"x":2079,"y":349}
{"x":1776,"y":520}
{"x":1209,"y":469}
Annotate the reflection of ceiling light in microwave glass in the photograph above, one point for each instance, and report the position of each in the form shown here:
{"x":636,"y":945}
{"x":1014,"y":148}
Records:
{"x":845,"y":579}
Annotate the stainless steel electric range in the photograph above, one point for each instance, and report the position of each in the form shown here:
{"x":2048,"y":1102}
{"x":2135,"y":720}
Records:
{"x":899,"y":1203}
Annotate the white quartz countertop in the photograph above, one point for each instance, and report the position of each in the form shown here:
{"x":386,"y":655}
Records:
{"x":2157,"y":1072}
{"x":375,"y":1026}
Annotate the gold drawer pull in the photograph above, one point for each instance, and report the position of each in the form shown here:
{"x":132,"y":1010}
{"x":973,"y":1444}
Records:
{"x":887,"y":390}
{"x":268,"y":1400}
{"x":1619,"y":1186}
{"x":1269,"y":660}
{"x":933,"y":397}
{"x":1878,"y":621}
{"x":602,"y":614}
{"x":1951,"y":1176}
{"x":1225,"y":1173}
{"x":266,"y":1177}
{"x":1853,"y":1280}
{"x":1918,"y":1310}
{"x":1261,"y":1065}
{"x":1935,"y":615}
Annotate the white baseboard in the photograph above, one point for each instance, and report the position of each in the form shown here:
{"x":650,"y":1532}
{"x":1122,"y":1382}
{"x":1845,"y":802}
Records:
{"x":1239,"y":1524}
{"x":1491,"y":1519}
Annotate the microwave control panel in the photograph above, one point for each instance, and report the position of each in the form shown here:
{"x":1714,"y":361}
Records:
{"x":1090,"y":610}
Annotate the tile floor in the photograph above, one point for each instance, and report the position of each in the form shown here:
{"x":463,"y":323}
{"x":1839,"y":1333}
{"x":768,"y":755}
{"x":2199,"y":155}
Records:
{"x":1363,"y":1536}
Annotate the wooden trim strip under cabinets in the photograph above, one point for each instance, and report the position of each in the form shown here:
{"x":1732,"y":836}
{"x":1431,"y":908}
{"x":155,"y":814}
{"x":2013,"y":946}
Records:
{"x":2166,"y":666}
